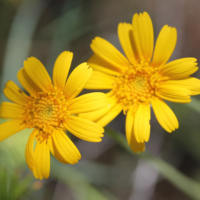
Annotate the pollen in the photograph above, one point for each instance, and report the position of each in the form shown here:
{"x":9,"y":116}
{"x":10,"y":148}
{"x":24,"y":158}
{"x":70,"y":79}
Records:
{"x":47,"y":111}
{"x":136,"y":84}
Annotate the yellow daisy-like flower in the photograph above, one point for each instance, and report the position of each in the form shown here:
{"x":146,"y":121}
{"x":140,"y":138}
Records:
{"x":51,"y":109}
{"x":141,"y":79}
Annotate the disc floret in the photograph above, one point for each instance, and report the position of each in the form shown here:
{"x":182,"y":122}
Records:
{"x":137,"y":84}
{"x":47,"y":111}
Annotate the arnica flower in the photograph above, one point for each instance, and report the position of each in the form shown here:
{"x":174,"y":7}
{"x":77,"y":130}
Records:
{"x":51,"y":109}
{"x":141,"y":79}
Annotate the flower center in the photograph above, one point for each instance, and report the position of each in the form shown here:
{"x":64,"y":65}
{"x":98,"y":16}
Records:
{"x":47,"y":111}
{"x":136,"y":84}
{"x":140,"y":83}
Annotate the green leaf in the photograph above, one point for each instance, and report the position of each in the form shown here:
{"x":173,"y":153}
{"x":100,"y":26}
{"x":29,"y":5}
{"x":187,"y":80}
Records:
{"x":3,"y":184}
{"x":12,"y":186}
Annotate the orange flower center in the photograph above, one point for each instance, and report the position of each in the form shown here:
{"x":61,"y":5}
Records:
{"x":137,"y":84}
{"x":47,"y":111}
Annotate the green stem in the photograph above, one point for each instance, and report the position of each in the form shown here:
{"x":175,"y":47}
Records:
{"x":184,"y":183}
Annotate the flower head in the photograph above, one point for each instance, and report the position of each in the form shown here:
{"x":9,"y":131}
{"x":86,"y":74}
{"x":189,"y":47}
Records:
{"x":51,"y":109}
{"x":141,"y":79}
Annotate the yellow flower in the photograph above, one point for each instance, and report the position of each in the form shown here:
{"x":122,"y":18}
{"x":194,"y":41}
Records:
{"x":141,"y":79}
{"x":51,"y":109}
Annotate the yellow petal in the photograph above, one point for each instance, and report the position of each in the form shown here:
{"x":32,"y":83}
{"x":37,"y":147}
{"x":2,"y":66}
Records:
{"x":193,"y":84}
{"x":99,"y":80}
{"x":84,"y":129}
{"x":61,"y":69}
{"x":165,"y":45}
{"x":180,"y":68}
{"x":55,"y":152}
{"x":11,"y":127}
{"x":29,"y":155}
{"x":130,"y":136}
{"x":15,"y":94}
{"x":101,"y":65}
{"x":164,"y":115}
{"x":190,"y":83}
{"x":37,"y":171}
{"x":65,"y":147}
{"x":27,"y":83}
{"x":110,"y":115}
{"x":125,"y":34}
{"x":143,"y":35}
{"x":142,"y":123}
{"x":88,"y":102}
{"x":96,"y":115}
{"x":173,"y":91}
{"x":11,"y":111}
{"x":45,"y":157}
{"x":37,"y":72}
{"x":77,"y":80}
{"x":129,"y":125}
{"x":42,"y":157}
{"x":109,"y":53}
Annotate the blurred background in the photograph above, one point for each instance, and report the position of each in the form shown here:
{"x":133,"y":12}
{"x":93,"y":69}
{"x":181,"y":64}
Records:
{"x":170,"y":169}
